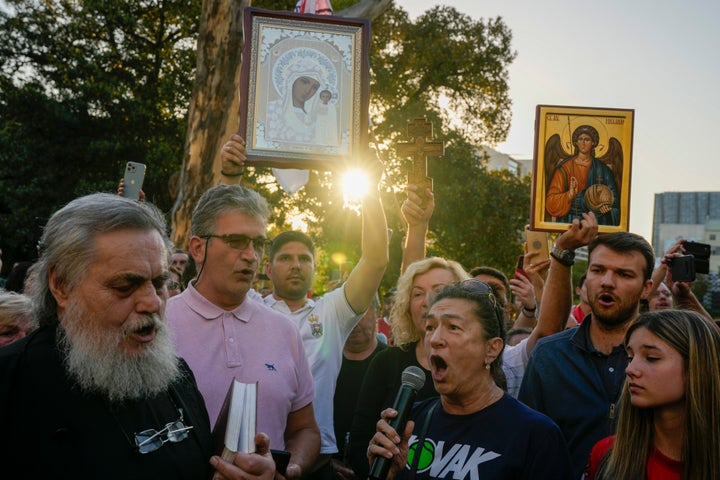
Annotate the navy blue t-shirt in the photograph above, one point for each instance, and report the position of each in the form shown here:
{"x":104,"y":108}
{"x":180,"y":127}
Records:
{"x":504,"y":441}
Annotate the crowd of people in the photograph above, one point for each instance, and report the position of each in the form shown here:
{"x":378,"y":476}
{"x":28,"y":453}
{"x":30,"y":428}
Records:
{"x":117,"y":353}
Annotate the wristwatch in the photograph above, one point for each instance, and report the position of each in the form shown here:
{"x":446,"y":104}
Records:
{"x":566,"y":257}
{"x":529,"y":312}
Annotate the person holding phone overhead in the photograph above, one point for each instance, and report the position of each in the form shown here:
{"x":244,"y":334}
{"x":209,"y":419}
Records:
{"x":133,"y":180}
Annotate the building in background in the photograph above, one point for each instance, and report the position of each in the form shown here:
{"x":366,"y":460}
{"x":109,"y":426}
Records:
{"x":692,"y":216}
{"x":689,"y":215}
{"x":519,"y":165}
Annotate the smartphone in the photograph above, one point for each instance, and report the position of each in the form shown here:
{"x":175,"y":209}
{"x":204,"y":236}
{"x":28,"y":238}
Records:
{"x":683,"y":268}
{"x":134,"y":176}
{"x":701,"y":253}
{"x":519,"y":267}
{"x":537,"y":242}
{"x":282,"y":459}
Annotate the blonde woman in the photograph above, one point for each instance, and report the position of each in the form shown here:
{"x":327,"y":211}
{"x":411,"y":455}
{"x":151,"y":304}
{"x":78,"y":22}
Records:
{"x":416,"y":288}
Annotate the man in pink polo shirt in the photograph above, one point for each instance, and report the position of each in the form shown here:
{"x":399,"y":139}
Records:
{"x":222,"y":334}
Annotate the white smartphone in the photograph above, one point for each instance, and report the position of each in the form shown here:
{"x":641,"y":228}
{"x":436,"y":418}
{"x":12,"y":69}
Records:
{"x":134,"y":176}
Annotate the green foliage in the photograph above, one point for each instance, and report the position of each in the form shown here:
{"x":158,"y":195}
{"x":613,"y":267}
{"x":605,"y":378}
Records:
{"x":36,"y":177}
{"x":90,"y":84}
{"x":452,"y":70}
{"x":444,"y":56}
{"x":87,"y":86}
{"x":479,"y":214}
{"x":287,"y":5}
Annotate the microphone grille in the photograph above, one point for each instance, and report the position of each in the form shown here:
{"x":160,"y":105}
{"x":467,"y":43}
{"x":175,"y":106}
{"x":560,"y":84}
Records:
{"x":413,"y":377}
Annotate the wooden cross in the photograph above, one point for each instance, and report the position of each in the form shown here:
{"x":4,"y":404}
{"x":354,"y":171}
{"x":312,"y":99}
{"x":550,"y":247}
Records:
{"x":419,"y":148}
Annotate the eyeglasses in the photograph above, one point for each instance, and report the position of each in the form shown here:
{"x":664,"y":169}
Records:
{"x":239,"y":241}
{"x":150,"y":440}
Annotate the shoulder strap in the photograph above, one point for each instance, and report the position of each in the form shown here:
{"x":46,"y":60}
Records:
{"x":421,"y":439}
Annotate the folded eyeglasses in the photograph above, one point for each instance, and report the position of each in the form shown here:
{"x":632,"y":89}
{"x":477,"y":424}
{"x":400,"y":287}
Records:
{"x":150,"y":440}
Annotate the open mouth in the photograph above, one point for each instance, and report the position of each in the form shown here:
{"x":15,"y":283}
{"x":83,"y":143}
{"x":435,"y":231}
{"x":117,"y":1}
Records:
{"x":606,"y":298}
{"x":146,"y":330}
{"x":144,"y":334}
{"x":438,"y":364}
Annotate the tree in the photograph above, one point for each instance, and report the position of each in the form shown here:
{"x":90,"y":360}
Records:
{"x":85,"y":87}
{"x":445,"y":63}
{"x":411,"y":76}
{"x":214,"y":104}
{"x":452,"y":70}
{"x":115,"y":77}
{"x":487,"y":231}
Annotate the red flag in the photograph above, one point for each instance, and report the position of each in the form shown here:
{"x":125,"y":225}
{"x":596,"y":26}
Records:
{"x":319,"y":7}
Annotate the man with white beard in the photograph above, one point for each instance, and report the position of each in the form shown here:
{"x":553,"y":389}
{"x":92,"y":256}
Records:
{"x":97,"y":391}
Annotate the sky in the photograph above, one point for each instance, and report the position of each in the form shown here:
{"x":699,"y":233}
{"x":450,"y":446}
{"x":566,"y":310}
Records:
{"x":660,"y":58}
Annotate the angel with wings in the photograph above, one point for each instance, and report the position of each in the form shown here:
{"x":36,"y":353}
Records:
{"x":580,"y":182}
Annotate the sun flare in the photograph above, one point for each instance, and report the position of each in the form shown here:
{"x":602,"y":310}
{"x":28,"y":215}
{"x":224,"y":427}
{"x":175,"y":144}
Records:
{"x":355,"y":185}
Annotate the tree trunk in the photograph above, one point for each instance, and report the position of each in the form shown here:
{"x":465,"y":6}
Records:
{"x":213,"y":112}
{"x":212,"y":116}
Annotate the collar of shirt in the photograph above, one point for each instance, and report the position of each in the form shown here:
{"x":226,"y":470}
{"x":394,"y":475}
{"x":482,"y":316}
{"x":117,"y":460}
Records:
{"x":208,"y":310}
{"x":581,"y":339}
{"x":281,"y":305}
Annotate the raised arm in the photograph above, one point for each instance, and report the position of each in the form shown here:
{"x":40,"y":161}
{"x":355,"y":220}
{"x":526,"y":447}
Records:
{"x":683,"y":296}
{"x":232,"y":157}
{"x":529,"y":289}
{"x":557,"y":294}
{"x":685,"y":299}
{"x":364,"y":280}
{"x":417,"y":219}
{"x":661,"y":271}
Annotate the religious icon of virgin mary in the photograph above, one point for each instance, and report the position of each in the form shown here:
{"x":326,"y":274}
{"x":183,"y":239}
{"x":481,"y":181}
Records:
{"x":297,"y":76}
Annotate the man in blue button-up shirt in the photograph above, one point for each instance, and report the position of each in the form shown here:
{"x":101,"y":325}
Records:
{"x":575,"y":377}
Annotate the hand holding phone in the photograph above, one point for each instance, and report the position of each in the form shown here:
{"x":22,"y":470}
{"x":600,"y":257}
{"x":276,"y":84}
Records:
{"x":537,"y":242}
{"x":519,"y":267}
{"x":683,"y":268}
{"x":282,"y":459}
{"x":133,"y":180}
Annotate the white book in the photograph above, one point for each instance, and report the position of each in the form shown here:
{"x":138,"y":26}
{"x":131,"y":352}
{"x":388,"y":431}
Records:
{"x":236,"y":424}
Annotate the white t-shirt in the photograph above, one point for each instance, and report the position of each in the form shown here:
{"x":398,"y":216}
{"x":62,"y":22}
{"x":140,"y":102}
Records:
{"x":515,"y":359}
{"x":324,"y":326}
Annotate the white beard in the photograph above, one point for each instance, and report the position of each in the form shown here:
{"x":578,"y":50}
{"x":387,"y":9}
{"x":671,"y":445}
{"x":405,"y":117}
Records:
{"x":94,"y":357}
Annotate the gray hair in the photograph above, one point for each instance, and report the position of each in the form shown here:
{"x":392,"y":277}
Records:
{"x":16,"y":309}
{"x":67,"y":245}
{"x":223,"y":198}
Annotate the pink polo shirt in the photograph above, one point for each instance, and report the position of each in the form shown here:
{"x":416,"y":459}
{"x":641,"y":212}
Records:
{"x":252,"y":343}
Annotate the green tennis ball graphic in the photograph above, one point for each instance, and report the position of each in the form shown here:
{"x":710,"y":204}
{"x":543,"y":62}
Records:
{"x":427,"y":453}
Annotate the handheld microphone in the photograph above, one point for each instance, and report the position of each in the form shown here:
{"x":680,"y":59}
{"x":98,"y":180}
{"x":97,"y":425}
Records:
{"x":413,"y":379}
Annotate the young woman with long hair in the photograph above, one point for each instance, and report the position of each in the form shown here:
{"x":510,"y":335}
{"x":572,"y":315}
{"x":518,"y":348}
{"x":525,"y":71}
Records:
{"x":670,"y":405}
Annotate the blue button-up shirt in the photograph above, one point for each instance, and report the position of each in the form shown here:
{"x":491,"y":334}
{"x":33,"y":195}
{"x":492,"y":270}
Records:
{"x":577,"y":386}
